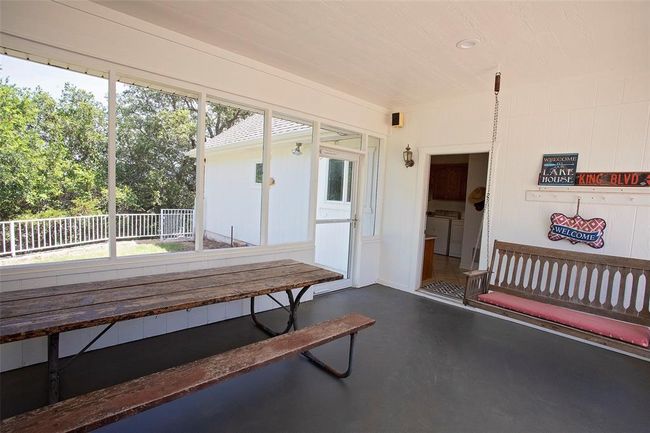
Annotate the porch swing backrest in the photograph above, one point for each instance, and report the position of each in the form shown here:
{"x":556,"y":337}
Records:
{"x":615,"y":287}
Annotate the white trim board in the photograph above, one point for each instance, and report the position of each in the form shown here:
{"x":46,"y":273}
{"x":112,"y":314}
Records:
{"x":422,"y":187}
{"x":608,"y":196}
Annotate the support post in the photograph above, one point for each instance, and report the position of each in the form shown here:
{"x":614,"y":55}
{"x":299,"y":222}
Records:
{"x":112,"y":155}
{"x":199,"y":199}
{"x":53,"y":367}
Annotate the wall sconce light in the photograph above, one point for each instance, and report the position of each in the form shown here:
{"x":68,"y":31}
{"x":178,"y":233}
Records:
{"x":408,"y":157}
{"x":296,"y":151}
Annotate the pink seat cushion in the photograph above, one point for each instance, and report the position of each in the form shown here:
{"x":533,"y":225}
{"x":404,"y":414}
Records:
{"x":628,"y":332}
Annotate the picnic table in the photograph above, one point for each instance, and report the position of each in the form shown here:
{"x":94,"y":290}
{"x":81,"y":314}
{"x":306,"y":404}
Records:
{"x":51,"y":310}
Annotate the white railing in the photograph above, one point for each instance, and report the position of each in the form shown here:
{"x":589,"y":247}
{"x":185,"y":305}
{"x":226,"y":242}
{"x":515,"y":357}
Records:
{"x":23,"y":236}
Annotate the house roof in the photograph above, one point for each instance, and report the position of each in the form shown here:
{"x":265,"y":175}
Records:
{"x":252,"y":128}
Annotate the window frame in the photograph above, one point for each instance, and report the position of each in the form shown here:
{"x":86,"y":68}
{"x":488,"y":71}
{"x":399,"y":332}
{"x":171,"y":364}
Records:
{"x":54,"y":57}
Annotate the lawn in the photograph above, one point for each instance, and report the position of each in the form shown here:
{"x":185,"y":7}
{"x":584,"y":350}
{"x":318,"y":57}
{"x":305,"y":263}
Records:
{"x":94,"y":251}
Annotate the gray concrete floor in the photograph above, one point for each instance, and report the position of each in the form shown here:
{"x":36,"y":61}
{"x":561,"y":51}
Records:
{"x":424,"y":367}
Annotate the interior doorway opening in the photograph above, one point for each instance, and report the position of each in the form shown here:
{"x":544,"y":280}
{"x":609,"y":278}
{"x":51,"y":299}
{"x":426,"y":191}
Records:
{"x":454,"y":221}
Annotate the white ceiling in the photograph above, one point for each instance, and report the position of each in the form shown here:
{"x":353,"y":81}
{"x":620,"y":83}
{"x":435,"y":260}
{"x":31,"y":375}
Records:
{"x":402,"y":53}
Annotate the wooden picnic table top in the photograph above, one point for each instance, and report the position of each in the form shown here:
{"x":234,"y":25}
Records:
{"x":38,"y":312}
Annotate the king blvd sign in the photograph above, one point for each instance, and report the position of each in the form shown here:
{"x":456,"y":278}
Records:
{"x":633,"y":179}
{"x":577,"y":230}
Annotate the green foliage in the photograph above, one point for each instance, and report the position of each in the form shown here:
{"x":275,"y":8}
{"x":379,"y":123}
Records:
{"x":53,"y":152}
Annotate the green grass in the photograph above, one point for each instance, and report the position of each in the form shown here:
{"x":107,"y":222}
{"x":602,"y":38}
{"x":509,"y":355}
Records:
{"x":95,"y":251}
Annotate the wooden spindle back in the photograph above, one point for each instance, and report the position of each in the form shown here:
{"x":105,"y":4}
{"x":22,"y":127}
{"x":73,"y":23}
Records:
{"x":616,"y":287}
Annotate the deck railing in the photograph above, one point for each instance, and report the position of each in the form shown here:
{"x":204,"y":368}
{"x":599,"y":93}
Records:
{"x":24,"y":236}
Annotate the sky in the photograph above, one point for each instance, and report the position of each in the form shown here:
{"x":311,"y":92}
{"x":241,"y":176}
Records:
{"x":24,"y":73}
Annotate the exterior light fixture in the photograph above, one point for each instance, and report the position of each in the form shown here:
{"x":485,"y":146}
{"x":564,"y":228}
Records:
{"x":408,"y":157}
{"x":296,"y":151}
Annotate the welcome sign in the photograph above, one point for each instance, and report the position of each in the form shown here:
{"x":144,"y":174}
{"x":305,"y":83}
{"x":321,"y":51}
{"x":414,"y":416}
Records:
{"x":558,"y":169}
{"x":577,"y":230}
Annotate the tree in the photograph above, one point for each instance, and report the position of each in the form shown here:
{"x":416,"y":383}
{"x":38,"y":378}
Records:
{"x":156,"y":130}
{"x":53,"y":152}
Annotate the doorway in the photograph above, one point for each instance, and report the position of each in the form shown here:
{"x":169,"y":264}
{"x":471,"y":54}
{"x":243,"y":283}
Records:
{"x":336,"y":221}
{"x":454,"y":220}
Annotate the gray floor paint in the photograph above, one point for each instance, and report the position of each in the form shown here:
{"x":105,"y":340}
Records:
{"x":424,"y":367}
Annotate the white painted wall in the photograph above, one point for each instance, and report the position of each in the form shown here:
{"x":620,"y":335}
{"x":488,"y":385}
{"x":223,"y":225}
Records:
{"x":604,"y":118}
{"x":476,"y":177}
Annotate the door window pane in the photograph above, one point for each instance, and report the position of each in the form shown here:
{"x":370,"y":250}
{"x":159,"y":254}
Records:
{"x":155,"y":170}
{"x":335,"y":180}
{"x":290,"y":180}
{"x":233,"y":176}
{"x":370,"y":200}
{"x":333,"y":246}
{"x":53,"y":164}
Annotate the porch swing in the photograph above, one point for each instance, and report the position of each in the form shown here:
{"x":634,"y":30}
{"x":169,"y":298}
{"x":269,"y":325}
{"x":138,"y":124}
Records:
{"x":526,"y":283}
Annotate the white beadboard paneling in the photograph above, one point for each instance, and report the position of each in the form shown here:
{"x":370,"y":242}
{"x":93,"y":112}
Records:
{"x":573,"y":94}
{"x":641,"y":239}
{"x":154,"y":325}
{"x":11,"y":355}
{"x":110,"y":338}
{"x":581,"y":127}
{"x":177,"y":320}
{"x":197,"y":316}
{"x":34,"y":350}
{"x":72,"y":342}
{"x":607,"y":121}
{"x":234,"y":309}
{"x":610,"y":91}
{"x":216,"y":312}
{"x":634,"y":127}
{"x":130,"y":330}
{"x":637,"y":88}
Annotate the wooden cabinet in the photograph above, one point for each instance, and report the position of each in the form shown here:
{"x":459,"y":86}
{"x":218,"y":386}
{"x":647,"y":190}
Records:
{"x":448,"y":182}
{"x":427,"y":265}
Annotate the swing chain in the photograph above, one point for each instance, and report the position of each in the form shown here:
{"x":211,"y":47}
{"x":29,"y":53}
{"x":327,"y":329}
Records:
{"x":495,"y":124}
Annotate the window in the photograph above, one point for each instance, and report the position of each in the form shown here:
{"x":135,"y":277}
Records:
{"x":290,"y":180}
{"x":258,"y":172}
{"x":233,"y":204}
{"x":155,"y":171}
{"x":339,"y":181}
{"x":53,"y":164}
{"x":54,"y":196}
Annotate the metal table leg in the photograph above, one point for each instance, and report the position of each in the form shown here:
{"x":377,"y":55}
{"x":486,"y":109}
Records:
{"x":53,"y":367}
{"x":293,"y":308}
{"x":293,"y":323}
{"x":54,"y":370}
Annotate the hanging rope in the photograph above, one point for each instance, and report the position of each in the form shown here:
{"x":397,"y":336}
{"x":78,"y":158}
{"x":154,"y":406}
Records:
{"x":495,"y":125}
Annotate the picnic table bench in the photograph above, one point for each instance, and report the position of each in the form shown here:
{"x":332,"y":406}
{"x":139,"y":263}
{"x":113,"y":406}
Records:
{"x":50,"y":311}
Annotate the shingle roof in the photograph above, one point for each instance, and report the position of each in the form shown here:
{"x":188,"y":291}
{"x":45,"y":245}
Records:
{"x":252,"y":128}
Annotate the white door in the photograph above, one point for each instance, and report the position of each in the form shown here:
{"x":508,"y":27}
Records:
{"x":336,"y":221}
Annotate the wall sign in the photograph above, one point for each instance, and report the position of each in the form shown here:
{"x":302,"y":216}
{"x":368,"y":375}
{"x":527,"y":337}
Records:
{"x":558,"y":169}
{"x":577,"y":230}
{"x":635,"y":179}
